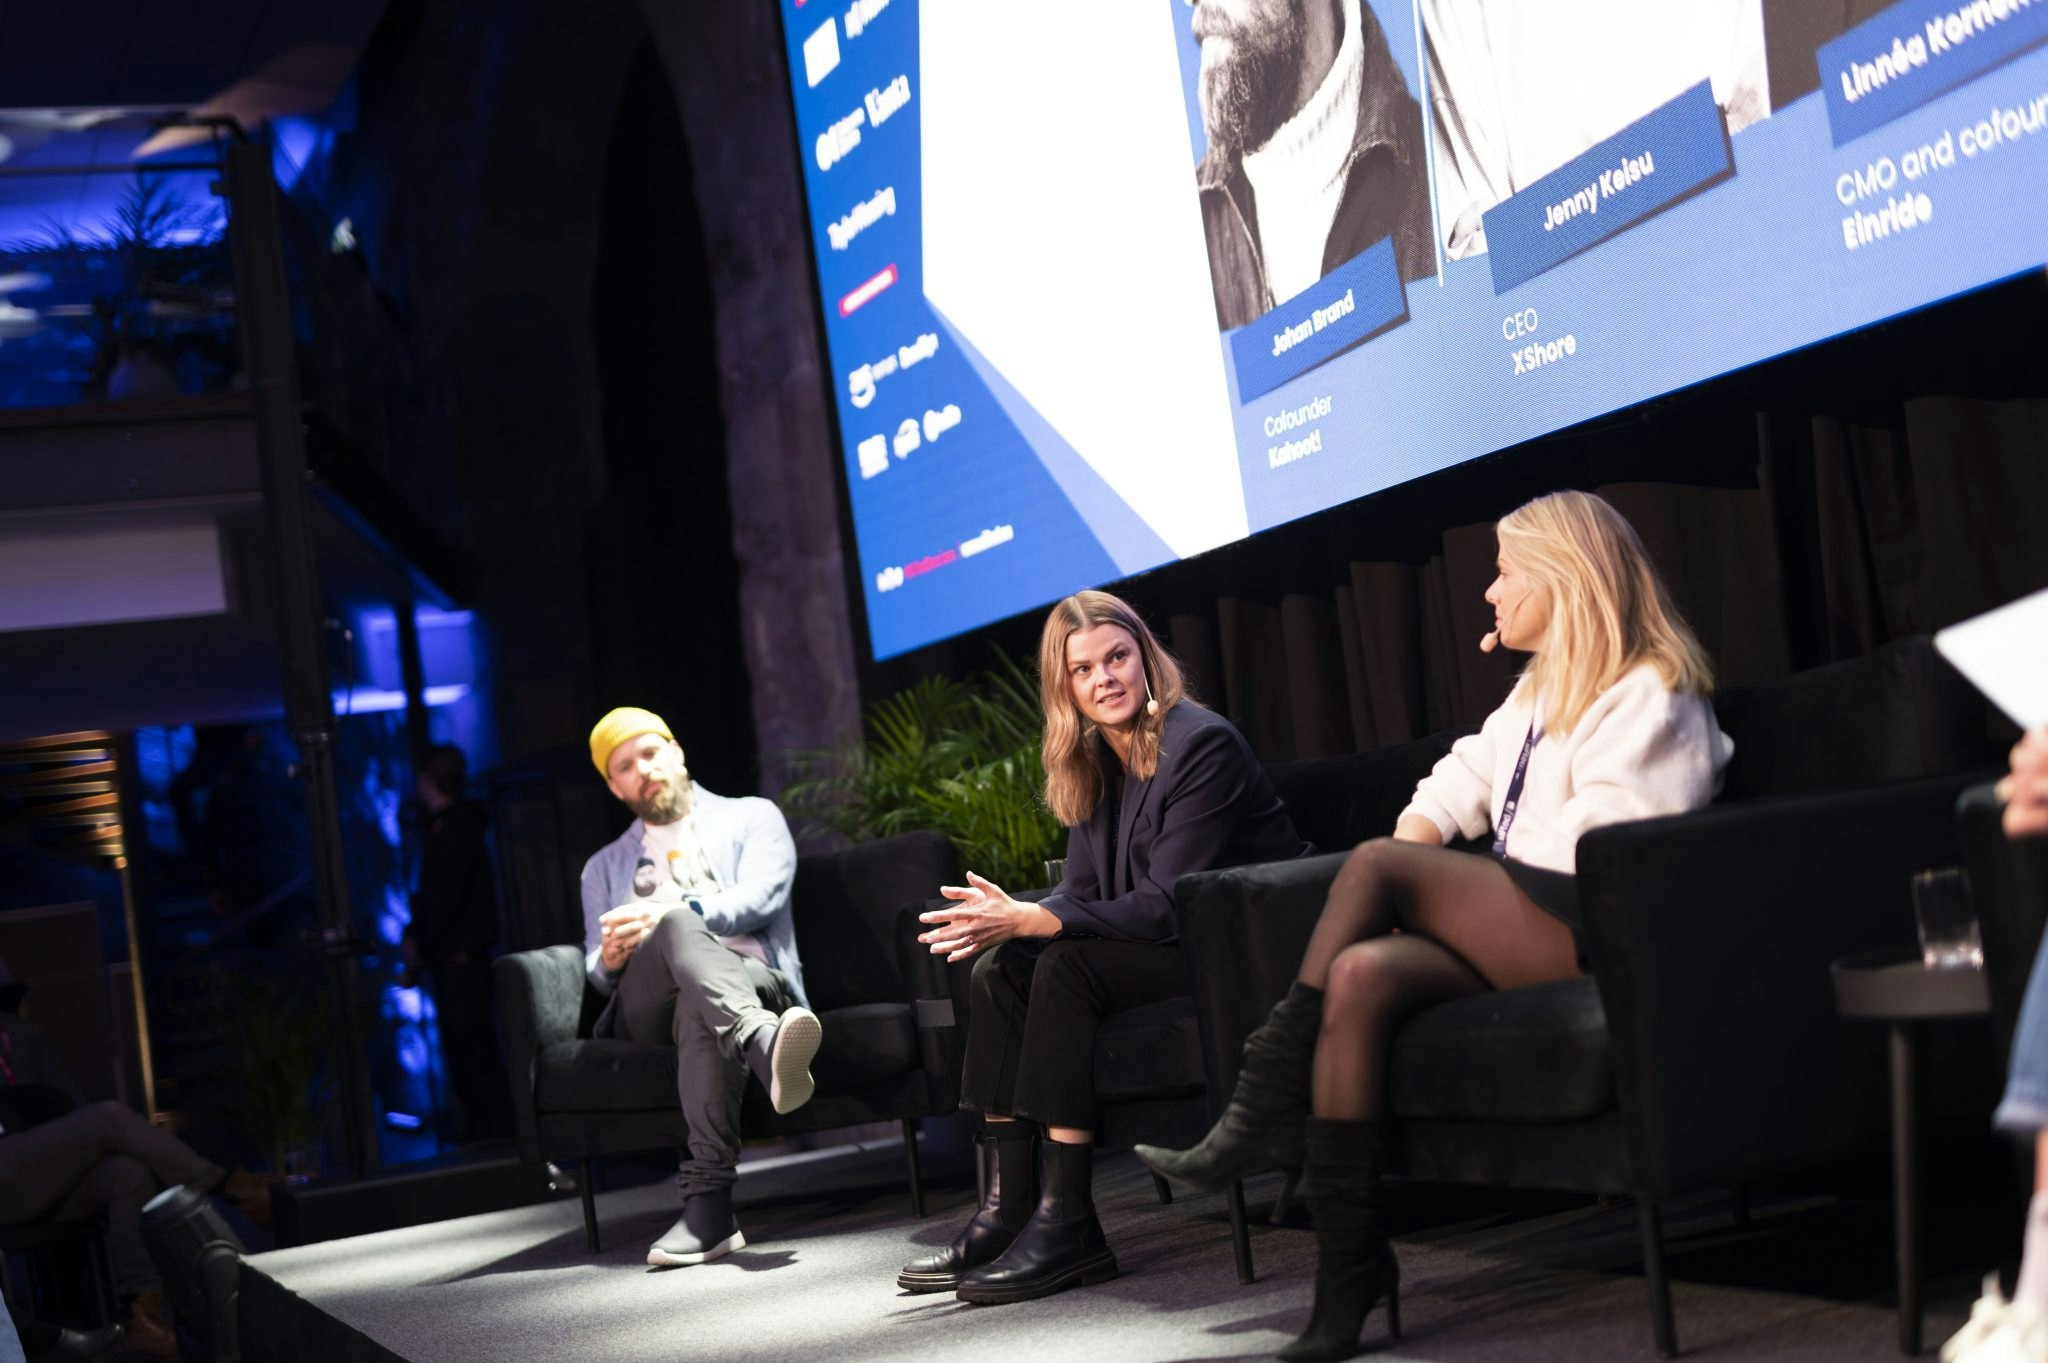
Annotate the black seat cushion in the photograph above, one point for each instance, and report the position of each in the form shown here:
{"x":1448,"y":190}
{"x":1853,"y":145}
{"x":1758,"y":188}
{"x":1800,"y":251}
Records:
{"x":1149,"y":1052}
{"x":607,"y":1075}
{"x":1538,"y":1054}
{"x":865,"y":1042}
{"x":861,"y":1044}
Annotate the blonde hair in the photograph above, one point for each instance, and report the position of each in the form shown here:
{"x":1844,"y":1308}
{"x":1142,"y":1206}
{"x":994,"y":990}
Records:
{"x":1073,"y":781}
{"x":1609,"y":609}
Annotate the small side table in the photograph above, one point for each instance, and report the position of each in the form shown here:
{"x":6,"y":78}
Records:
{"x":1893,"y":987}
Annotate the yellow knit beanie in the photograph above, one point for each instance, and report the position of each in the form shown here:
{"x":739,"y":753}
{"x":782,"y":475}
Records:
{"x":626,"y":722}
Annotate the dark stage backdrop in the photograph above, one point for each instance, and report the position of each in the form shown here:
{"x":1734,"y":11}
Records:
{"x":1883,"y":485}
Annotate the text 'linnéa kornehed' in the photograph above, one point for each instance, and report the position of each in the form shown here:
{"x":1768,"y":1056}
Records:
{"x":1937,"y":38}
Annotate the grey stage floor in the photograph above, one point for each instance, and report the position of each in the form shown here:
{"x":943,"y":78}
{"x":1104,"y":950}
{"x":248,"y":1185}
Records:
{"x":1530,"y":1279}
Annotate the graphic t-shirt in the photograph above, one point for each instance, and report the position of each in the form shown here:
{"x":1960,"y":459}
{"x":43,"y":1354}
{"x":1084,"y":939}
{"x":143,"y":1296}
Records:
{"x":675,"y":869}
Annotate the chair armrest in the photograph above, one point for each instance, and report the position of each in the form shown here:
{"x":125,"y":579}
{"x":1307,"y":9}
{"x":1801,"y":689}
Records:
{"x":941,"y":1023}
{"x":1710,"y":935}
{"x":959,"y":975}
{"x":1243,"y":930}
{"x":540,"y":997}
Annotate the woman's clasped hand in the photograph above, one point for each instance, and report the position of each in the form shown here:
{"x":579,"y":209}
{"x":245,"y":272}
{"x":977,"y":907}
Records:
{"x":982,"y":916}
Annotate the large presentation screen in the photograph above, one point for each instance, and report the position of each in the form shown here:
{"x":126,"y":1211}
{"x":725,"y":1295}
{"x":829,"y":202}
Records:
{"x":1107,"y":284}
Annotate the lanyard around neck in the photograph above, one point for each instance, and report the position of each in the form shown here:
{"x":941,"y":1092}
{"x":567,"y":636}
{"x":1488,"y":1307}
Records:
{"x":1508,"y":806}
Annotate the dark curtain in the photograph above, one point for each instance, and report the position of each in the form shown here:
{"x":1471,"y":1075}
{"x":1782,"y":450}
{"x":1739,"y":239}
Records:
{"x":1836,"y":536}
{"x":1883,"y":484}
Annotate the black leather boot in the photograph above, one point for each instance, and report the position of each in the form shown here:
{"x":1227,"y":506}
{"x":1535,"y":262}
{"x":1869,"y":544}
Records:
{"x":1261,"y":1129}
{"x":1355,"y":1265}
{"x":1009,"y":1175}
{"x":1061,"y":1246}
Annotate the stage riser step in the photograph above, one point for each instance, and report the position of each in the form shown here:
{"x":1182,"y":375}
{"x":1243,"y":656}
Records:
{"x":334,"y":1208}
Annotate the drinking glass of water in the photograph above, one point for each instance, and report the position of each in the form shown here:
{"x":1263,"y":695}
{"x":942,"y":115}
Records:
{"x":1947,"y":920}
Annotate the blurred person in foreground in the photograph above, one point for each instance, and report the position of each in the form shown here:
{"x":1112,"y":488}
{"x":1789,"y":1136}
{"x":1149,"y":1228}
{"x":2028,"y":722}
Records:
{"x":66,"y":1159}
{"x":2016,"y":1331}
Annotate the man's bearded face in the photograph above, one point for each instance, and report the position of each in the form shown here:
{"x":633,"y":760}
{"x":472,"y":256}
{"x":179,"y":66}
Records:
{"x":664,"y":804}
{"x":1251,"y":68}
{"x":649,"y":775}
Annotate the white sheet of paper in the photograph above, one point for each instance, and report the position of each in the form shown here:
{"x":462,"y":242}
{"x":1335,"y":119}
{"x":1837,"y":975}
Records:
{"x":2004,"y":653}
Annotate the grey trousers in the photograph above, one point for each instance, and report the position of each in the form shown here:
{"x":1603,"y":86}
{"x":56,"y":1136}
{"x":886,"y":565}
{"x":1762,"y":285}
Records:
{"x":718,"y":1008}
{"x":102,"y":1158}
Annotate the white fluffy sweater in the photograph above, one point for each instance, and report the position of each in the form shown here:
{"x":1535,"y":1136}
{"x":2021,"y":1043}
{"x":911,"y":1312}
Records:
{"x":1639,"y":751}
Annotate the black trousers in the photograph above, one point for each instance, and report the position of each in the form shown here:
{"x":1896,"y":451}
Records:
{"x":684,"y":987}
{"x":1035,"y":1008}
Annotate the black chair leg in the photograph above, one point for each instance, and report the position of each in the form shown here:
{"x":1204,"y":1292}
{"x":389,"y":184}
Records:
{"x":916,"y":1172}
{"x":1661,"y":1323}
{"x":1164,"y":1189}
{"x":1240,"y":1233}
{"x":589,"y":1205}
{"x":1738,"y":1206}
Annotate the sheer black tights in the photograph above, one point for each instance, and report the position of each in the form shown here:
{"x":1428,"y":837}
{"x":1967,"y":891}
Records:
{"x":1407,"y":925}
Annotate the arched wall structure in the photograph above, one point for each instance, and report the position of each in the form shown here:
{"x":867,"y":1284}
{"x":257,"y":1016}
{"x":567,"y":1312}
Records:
{"x":472,"y":166}
{"x":726,"y":65}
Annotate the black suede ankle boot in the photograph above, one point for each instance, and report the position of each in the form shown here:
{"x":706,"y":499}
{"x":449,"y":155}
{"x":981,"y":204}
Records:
{"x":1061,"y":1246}
{"x":1261,"y":1129}
{"x":1355,"y":1265}
{"x":1008,"y":1152}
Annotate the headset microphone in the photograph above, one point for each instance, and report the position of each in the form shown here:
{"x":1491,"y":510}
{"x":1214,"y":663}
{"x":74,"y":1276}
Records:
{"x":1151,"y":705}
{"x":1491,"y":640}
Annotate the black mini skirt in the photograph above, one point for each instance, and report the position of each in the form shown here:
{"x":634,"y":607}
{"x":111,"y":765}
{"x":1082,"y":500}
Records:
{"x":1554,"y":892}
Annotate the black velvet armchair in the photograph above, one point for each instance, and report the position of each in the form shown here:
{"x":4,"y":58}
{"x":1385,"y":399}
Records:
{"x":890,"y":1051}
{"x":1702,"y":1050}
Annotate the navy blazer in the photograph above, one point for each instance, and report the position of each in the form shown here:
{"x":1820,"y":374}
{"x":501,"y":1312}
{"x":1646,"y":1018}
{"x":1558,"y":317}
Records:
{"x":1209,"y":804}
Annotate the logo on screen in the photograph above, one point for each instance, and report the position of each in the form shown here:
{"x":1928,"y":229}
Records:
{"x":863,"y":294}
{"x":860,"y":383}
{"x":821,"y":51}
{"x":874,"y":455}
{"x":861,"y":14}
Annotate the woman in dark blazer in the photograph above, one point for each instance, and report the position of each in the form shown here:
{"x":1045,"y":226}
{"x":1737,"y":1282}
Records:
{"x":1151,"y":786}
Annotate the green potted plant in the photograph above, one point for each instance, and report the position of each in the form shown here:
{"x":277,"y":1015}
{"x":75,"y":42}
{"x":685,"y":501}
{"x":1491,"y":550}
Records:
{"x":961,"y":757}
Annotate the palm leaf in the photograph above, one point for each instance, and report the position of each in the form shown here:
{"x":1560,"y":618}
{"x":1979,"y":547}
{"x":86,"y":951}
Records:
{"x":961,"y":757}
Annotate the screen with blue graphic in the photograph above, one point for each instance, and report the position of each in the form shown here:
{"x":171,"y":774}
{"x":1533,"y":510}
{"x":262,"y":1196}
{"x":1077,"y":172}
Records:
{"x":1108,"y":285}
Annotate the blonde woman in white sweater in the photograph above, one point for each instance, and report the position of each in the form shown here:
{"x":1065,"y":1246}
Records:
{"x":1609,"y":721}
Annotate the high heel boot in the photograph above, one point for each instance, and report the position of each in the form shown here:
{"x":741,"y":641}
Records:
{"x":1261,"y":1129}
{"x":1061,"y":1246}
{"x":1008,"y":1152}
{"x":1355,"y":1264}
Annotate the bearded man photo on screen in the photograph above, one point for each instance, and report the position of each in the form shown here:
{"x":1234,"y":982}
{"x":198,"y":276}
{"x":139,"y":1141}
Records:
{"x":1316,"y":149}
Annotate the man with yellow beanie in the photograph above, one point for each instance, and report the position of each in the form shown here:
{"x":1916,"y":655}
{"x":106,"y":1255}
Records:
{"x":687,"y":930}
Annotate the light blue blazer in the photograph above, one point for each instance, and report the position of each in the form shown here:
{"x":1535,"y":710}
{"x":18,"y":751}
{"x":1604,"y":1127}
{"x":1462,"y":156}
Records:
{"x":748,"y":843}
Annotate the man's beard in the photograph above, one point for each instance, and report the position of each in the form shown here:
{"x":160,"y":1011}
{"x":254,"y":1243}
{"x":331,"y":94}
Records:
{"x":1250,"y":92}
{"x":664,"y":806}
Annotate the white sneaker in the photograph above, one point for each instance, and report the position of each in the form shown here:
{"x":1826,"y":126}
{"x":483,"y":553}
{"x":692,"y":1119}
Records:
{"x":797,"y":1037}
{"x":705,"y":1231}
{"x":1998,"y":1331}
